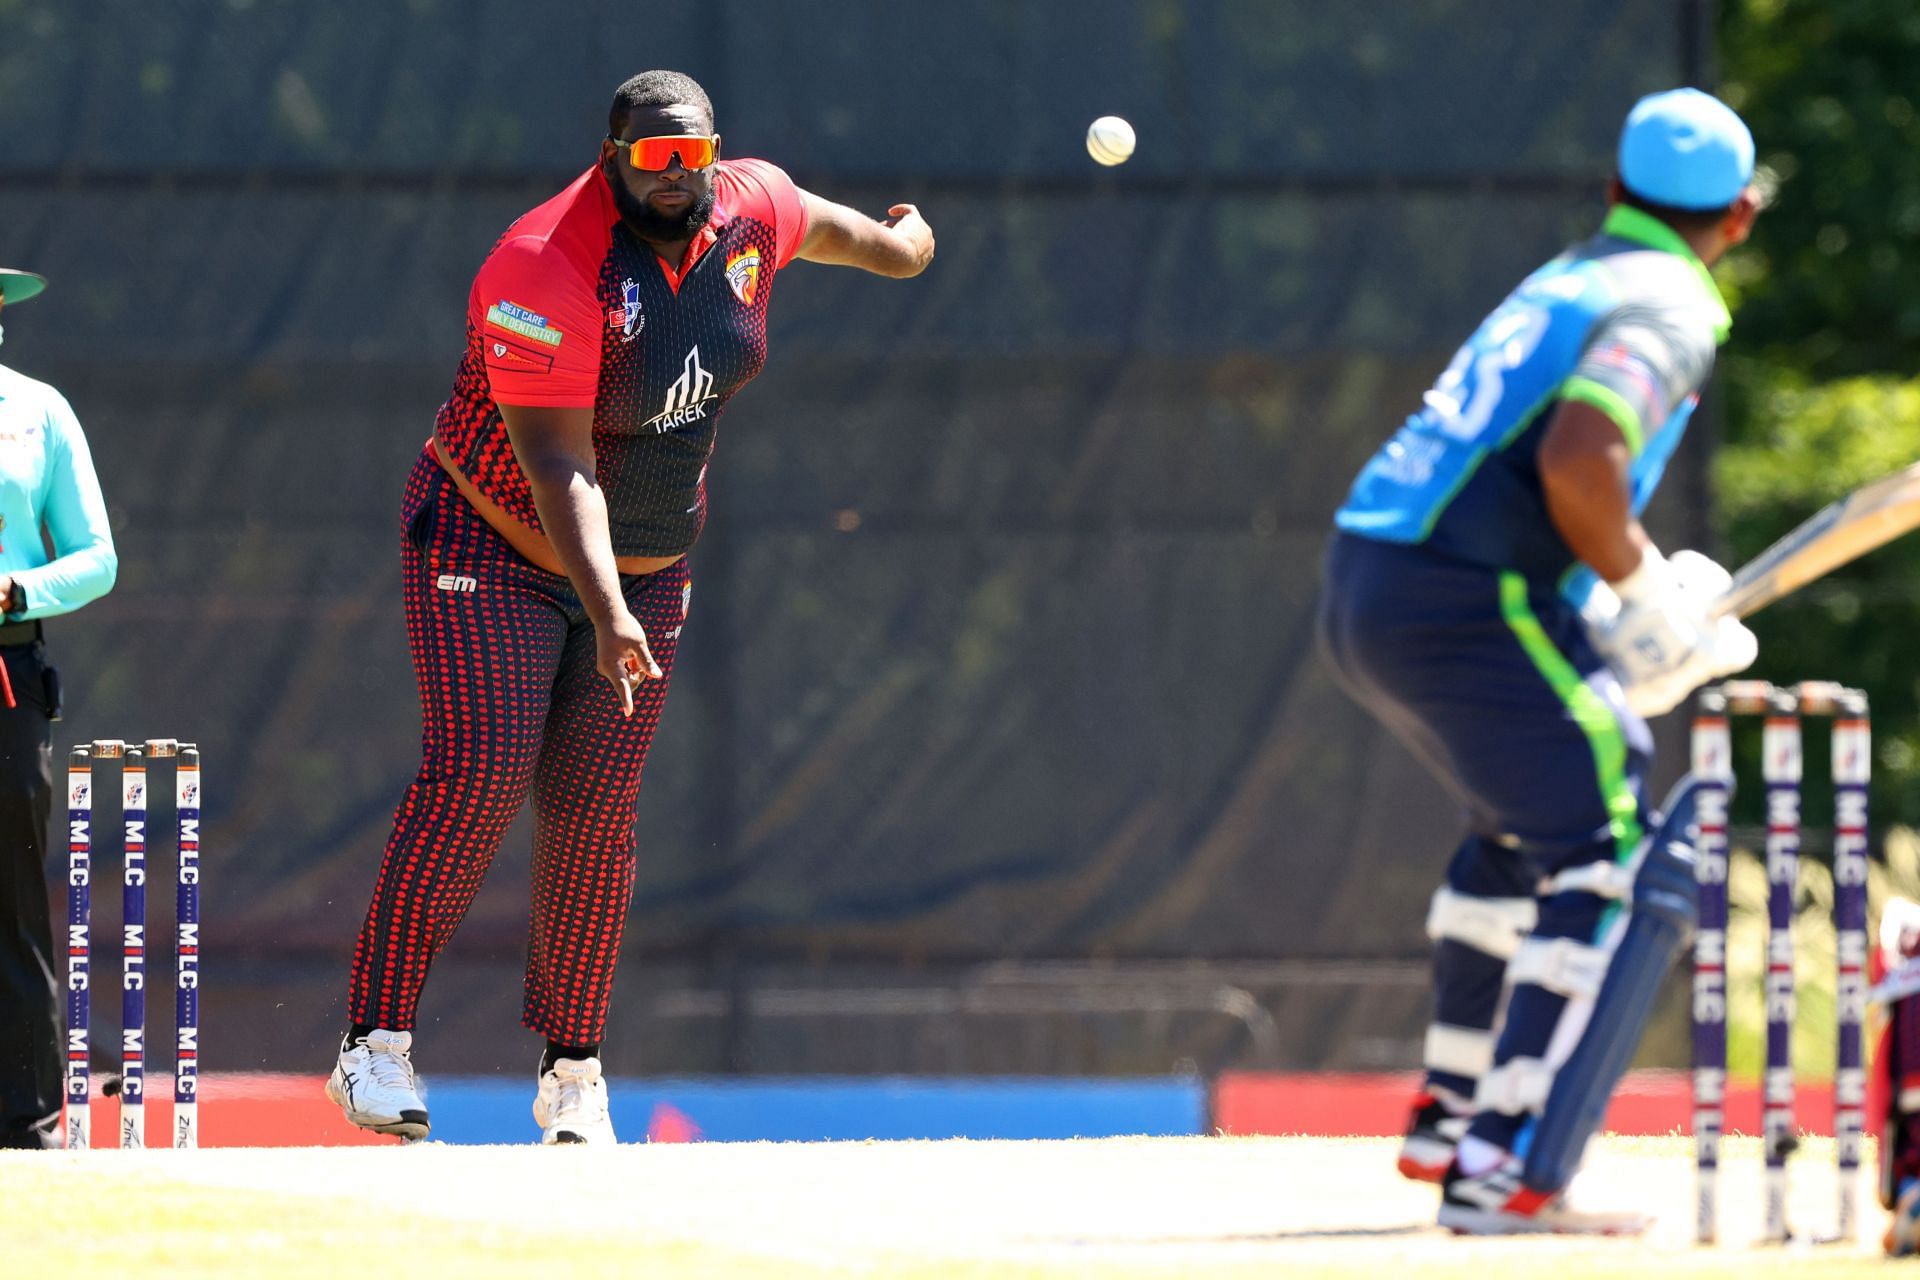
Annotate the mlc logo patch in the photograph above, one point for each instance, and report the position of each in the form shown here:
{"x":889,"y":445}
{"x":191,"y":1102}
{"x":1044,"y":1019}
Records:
{"x":627,"y":317}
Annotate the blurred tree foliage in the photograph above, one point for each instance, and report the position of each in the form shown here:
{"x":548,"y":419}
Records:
{"x":1830,"y":284}
{"x":1800,"y":447}
{"x":1818,"y":384}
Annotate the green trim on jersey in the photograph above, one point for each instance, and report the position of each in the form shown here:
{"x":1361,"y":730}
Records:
{"x":1643,"y":228}
{"x":1611,"y":403}
{"x":1588,"y":711}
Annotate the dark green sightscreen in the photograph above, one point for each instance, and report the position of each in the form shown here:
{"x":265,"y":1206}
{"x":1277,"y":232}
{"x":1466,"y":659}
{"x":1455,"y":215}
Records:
{"x":1000,"y":641}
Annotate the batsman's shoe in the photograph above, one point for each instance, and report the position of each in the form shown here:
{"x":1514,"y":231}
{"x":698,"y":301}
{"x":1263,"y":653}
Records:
{"x":1432,"y":1134}
{"x":373,"y":1082}
{"x":572,"y":1104}
{"x":1903,"y":1233}
{"x":1497,"y":1203}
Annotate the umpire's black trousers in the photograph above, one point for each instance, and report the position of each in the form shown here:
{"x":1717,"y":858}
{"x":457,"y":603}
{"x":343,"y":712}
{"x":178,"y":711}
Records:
{"x":30,"y":1078}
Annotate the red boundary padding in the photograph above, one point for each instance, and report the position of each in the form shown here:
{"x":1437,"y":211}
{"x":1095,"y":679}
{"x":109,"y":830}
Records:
{"x":1375,"y":1106}
{"x":276,"y":1110}
{"x":264,"y":1109}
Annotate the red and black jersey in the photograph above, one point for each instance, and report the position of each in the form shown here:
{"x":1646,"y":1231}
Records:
{"x":572,"y":310}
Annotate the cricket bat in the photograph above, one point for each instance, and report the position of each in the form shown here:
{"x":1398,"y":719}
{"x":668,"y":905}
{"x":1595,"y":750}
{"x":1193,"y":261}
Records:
{"x":1869,"y":517}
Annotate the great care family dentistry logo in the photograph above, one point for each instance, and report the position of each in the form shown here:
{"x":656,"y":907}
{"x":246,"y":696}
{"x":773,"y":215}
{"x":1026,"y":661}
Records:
{"x":515,"y":318}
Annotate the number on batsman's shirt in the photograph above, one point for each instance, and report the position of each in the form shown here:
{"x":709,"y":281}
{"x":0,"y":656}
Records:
{"x":1627,"y":321}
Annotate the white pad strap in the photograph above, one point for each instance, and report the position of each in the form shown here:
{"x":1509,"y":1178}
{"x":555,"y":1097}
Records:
{"x":1561,"y":965}
{"x":1602,"y":879}
{"x":1492,"y":925}
{"x":1519,"y":1087}
{"x":1458,"y":1051}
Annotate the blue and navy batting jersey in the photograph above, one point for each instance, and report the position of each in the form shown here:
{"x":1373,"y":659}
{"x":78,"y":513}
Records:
{"x":1626,"y":321}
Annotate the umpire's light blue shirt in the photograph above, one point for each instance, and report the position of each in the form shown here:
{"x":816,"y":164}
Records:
{"x":47,"y":480}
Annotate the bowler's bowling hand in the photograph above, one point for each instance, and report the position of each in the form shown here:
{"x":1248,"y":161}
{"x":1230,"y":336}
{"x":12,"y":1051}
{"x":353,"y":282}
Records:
{"x":623,"y":657}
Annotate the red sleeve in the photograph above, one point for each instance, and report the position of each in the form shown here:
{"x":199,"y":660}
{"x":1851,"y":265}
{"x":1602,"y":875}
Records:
{"x":764,"y":191}
{"x":538,"y":316}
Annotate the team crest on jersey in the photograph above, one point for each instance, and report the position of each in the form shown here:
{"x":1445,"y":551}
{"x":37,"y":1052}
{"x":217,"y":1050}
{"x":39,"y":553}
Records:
{"x":743,"y":274}
{"x":627,"y":317}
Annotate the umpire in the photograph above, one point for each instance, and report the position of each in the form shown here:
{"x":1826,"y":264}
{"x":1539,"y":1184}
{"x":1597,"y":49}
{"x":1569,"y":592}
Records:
{"x":56,"y":554}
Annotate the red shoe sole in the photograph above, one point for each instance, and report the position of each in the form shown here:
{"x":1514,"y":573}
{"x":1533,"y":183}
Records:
{"x":1414,"y":1171}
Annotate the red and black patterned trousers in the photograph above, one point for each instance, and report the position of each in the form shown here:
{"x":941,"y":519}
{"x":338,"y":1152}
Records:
{"x":511,"y":703}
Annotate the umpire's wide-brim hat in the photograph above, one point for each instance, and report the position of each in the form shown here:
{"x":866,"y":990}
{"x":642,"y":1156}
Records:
{"x":17,"y":285}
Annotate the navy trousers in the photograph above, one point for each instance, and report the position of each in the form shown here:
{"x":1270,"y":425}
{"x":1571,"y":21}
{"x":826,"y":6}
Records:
{"x":1491,"y":682}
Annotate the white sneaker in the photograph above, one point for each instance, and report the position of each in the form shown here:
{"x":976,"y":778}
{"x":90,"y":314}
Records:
{"x":373,"y":1082}
{"x":572,"y":1103}
{"x":1498,"y":1203}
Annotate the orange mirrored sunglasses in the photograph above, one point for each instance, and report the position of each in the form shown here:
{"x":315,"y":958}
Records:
{"x":655,"y":154}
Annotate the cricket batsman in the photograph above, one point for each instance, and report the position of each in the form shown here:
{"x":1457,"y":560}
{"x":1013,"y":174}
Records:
{"x":1492,"y":599}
